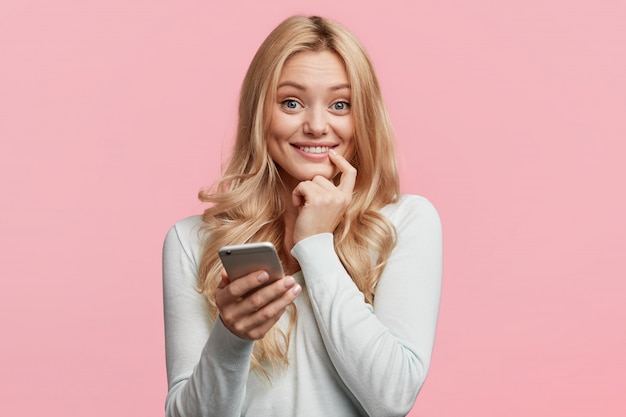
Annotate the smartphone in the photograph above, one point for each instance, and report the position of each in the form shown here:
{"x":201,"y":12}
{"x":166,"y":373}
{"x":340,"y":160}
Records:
{"x":240,"y":260}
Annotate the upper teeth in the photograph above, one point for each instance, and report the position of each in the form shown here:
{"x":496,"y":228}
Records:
{"x":314,"y":149}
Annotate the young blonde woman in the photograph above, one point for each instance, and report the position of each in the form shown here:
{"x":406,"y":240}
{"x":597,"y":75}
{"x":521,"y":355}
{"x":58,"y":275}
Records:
{"x":349,"y":330}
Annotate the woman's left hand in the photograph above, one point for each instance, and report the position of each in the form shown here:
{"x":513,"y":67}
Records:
{"x":321,"y":203}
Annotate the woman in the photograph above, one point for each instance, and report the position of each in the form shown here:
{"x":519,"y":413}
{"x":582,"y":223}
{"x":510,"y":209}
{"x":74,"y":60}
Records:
{"x":349,"y":330}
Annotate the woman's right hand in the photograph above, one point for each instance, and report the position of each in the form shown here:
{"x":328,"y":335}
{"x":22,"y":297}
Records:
{"x":249,"y":307}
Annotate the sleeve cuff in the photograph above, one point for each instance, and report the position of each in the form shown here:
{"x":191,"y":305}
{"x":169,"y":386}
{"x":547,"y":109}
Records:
{"x":317,"y":257}
{"x":232,"y":351}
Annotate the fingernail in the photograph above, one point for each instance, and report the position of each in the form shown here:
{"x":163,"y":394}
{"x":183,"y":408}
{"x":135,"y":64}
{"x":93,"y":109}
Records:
{"x":296,"y":290}
{"x":263,"y":276}
{"x":289,"y":281}
{"x":332,"y":151}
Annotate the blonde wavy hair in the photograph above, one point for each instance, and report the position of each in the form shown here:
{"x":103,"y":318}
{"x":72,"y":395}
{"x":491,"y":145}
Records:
{"x":247,"y":202}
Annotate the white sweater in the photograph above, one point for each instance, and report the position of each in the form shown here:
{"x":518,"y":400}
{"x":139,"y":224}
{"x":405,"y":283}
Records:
{"x":346,"y":357}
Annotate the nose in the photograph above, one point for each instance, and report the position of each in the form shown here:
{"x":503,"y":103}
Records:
{"x":316,"y":122}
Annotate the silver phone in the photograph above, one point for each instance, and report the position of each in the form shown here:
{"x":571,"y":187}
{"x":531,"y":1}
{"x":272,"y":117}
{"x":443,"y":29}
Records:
{"x":240,"y":260}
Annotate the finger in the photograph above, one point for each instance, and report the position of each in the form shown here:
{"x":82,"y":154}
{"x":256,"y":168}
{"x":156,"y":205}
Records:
{"x":263,"y":297}
{"x":261,"y":320}
{"x":258,"y":311}
{"x":300,"y":193}
{"x":256,"y":332}
{"x":318,"y":191}
{"x":260,"y":331}
{"x":348,"y":172}
{"x":241,"y":286}
{"x":324,"y":184}
{"x":233,"y":300}
{"x":297,"y":196}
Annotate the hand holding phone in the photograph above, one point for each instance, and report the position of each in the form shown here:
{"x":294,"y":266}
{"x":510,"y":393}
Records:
{"x":249,"y":306}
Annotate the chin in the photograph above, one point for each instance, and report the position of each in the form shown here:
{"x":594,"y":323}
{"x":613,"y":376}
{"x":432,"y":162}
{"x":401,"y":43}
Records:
{"x":329,"y":174}
{"x":295,"y":176}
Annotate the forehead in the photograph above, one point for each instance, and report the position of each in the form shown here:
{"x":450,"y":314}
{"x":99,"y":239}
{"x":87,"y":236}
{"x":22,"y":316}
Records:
{"x":316,"y":66}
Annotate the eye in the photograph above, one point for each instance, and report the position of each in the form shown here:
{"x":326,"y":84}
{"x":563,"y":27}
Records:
{"x":291,"y":104}
{"x":340,"y":106}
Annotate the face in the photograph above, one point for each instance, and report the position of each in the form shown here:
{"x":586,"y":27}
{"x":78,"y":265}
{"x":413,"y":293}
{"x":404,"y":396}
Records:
{"x":311,"y":115}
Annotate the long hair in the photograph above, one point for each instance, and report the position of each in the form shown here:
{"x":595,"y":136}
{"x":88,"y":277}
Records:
{"x":246,"y":203}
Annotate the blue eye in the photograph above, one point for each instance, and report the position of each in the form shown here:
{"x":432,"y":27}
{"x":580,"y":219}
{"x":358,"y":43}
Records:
{"x":341,"y":106}
{"x":291,"y":104}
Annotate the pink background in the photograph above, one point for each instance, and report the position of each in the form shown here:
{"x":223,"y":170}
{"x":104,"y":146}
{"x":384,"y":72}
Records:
{"x":510,"y":116}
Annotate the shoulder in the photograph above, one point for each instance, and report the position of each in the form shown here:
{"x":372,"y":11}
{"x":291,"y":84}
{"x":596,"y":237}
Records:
{"x":411,"y":209}
{"x":187,"y":235}
{"x":189,"y":226}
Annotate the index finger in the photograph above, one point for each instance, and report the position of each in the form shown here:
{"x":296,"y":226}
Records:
{"x":243,"y":285}
{"x":348,"y":172}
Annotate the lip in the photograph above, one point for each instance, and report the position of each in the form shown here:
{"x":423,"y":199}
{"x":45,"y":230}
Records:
{"x":328,"y":144}
{"x":314,"y":157}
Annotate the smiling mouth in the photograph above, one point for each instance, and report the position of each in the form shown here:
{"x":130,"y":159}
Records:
{"x":314,"y":149}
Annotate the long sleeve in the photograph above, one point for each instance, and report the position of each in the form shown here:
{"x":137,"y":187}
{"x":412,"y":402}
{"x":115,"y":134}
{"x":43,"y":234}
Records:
{"x":207,"y":366}
{"x":382,"y":353}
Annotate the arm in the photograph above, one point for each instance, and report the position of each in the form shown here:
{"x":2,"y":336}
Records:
{"x":382,"y":353}
{"x":207,"y":368}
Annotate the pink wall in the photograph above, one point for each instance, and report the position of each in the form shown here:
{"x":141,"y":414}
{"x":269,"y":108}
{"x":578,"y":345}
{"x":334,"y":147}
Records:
{"x":510,"y":117}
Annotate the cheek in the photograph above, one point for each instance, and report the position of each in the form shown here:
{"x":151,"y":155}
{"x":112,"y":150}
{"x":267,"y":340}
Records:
{"x":282,"y":126}
{"x":272,"y":146}
{"x":348,"y":137}
{"x":347,"y":132}
{"x":276,"y":140}
{"x":345,"y":125}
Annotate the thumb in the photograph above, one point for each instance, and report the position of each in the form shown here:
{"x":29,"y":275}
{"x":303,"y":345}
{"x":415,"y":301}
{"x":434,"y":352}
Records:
{"x":297,"y":198}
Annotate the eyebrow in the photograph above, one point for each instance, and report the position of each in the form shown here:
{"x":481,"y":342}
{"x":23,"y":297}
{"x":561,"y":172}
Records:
{"x":301,"y":87}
